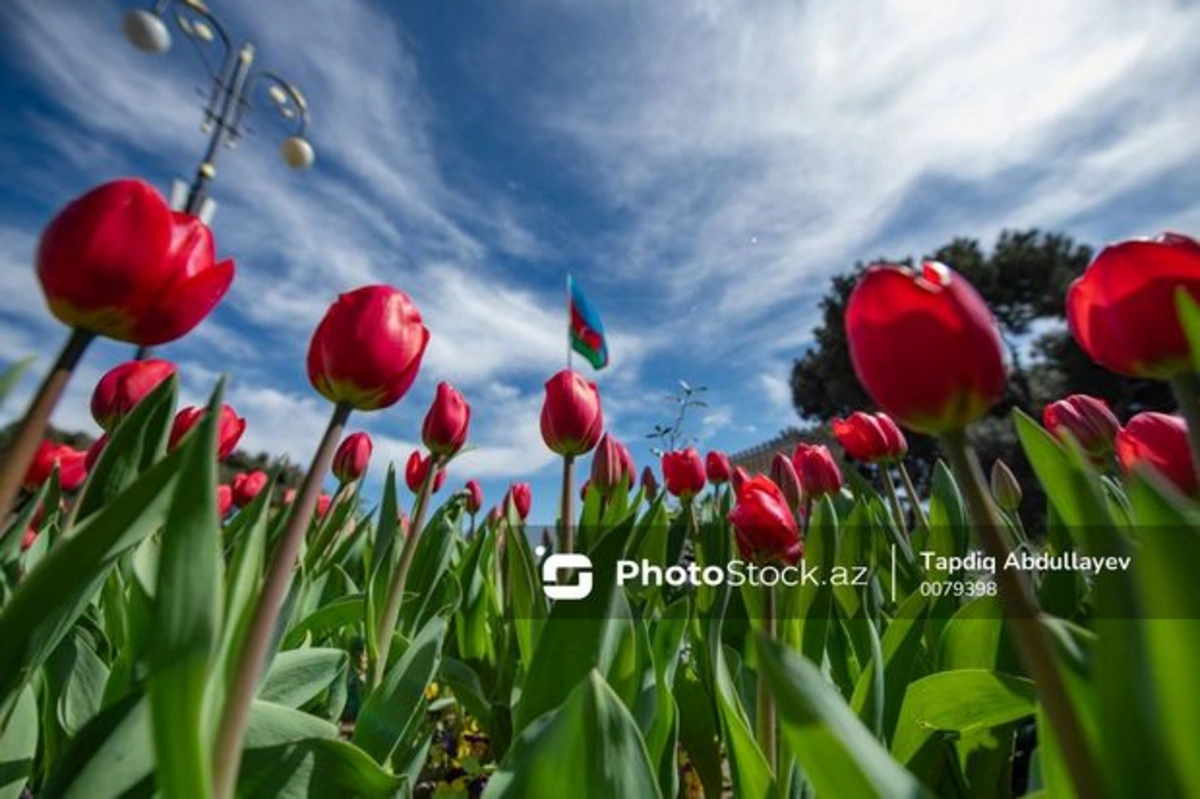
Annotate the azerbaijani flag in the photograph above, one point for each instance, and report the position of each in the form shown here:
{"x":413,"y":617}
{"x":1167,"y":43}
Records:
{"x":586,"y":329}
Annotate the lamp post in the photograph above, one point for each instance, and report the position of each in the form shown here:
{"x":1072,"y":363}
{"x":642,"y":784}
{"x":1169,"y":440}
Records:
{"x":234,"y":81}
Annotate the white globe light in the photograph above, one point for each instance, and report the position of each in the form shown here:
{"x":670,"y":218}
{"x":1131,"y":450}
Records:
{"x":146,"y":31}
{"x":297,"y":152}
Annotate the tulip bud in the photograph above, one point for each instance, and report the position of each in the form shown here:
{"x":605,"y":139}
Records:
{"x":1086,"y":419}
{"x":229,"y":428}
{"x":224,"y":500}
{"x":323,"y":503}
{"x":474,"y":493}
{"x":572,"y":420}
{"x":870,"y":438}
{"x":649,"y":484}
{"x":783,"y":474}
{"x":683,"y":472}
{"x":352,"y":456}
{"x":520,"y":497}
{"x":445,"y":429}
{"x":124,"y":386}
{"x":247,"y":486}
{"x":1005,"y":488}
{"x":924,"y":346}
{"x":71,"y":463}
{"x":27,"y":540}
{"x":417,"y":468}
{"x":764,"y":526}
{"x":583,"y":490}
{"x":367,"y":349}
{"x":1122,"y":313}
{"x":717,"y":468}
{"x":608,"y":465}
{"x":739,"y":478}
{"x":1160,"y":441}
{"x":119,"y":262}
{"x":628,"y":467}
{"x":493,"y":517}
{"x":818,"y":471}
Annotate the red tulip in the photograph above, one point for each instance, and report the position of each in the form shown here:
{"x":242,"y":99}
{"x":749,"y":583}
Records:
{"x":572,"y":420}
{"x":1159,"y":440}
{"x":474,"y":493}
{"x":738,"y":478}
{"x":95,"y":451}
{"x":352,"y":456}
{"x":323,"y":503}
{"x":583,"y":489}
{"x":783,"y":474}
{"x":445,"y":428}
{"x":924,"y":346}
{"x":649,"y":483}
{"x":1121,"y":311}
{"x":288,"y":497}
{"x":124,"y":386}
{"x":1087,"y":419}
{"x":247,"y":486}
{"x":717,"y":467}
{"x":119,"y":262}
{"x":764,"y":526}
{"x":683,"y":472}
{"x":870,"y":438}
{"x":417,"y":468}
{"x":520,"y":496}
{"x":612,"y":466}
{"x":72,"y":466}
{"x":818,"y":471}
{"x":224,"y":500}
{"x":493,"y":516}
{"x":367,"y":349}
{"x":27,"y":540}
{"x":229,"y":428}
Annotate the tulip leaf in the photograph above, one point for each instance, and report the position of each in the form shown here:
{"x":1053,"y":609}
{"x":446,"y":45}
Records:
{"x":698,"y":730}
{"x":186,"y":617}
{"x":526,"y":602}
{"x":816,"y":600}
{"x":1165,"y":572}
{"x":12,"y":375}
{"x":138,"y":441}
{"x":748,"y":767}
{"x":900,"y":646}
{"x":18,"y":745}
{"x":952,"y":703}
{"x":399,"y":702}
{"x":837,"y":752}
{"x":588,"y":747}
{"x":342,"y":612}
{"x":76,"y":677}
{"x":297,"y":676}
{"x":975,"y":638}
{"x":245,"y":573}
{"x":52,"y":596}
{"x":430,"y":562}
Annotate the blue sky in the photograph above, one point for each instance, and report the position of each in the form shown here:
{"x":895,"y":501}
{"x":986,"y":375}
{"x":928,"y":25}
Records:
{"x":701,"y":167}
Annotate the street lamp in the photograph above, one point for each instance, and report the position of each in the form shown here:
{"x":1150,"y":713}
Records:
{"x":234,"y":83}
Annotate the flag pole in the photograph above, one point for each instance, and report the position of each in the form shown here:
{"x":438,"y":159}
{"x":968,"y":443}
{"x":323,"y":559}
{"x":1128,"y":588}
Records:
{"x":568,"y":321}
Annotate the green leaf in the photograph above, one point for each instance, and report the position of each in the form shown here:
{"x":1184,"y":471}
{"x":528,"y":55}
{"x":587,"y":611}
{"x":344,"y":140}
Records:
{"x":839,"y":755}
{"x":698,"y":733}
{"x":52,"y":596}
{"x":976,"y":638}
{"x":577,"y":637}
{"x":747,"y":765}
{"x":468,"y":689}
{"x":954,"y":703}
{"x":139,"y":440}
{"x":77,"y":676}
{"x":816,"y":600}
{"x":901,"y":644}
{"x":314,"y":767}
{"x":187,"y":618}
{"x":12,"y":375}
{"x":18,"y":745}
{"x":1188,"y":312}
{"x":527,"y":604}
{"x":297,"y":676}
{"x":113,"y":755}
{"x":430,"y":562}
{"x":1165,"y":571}
{"x":589,"y":748}
{"x":325,"y":621}
{"x":399,"y":700}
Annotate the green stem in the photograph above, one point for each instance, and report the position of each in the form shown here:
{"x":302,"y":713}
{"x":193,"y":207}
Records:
{"x":32,"y":430}
{"x":395,"y":595}
{"x":566,"y":533}
{"x":894,"y":498}
{"x":236,"y":713}
{"x":766,"y":702}
{"x":1187,"y":394}
{"x":914,"y":499}
{"x":1021,"y":609}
